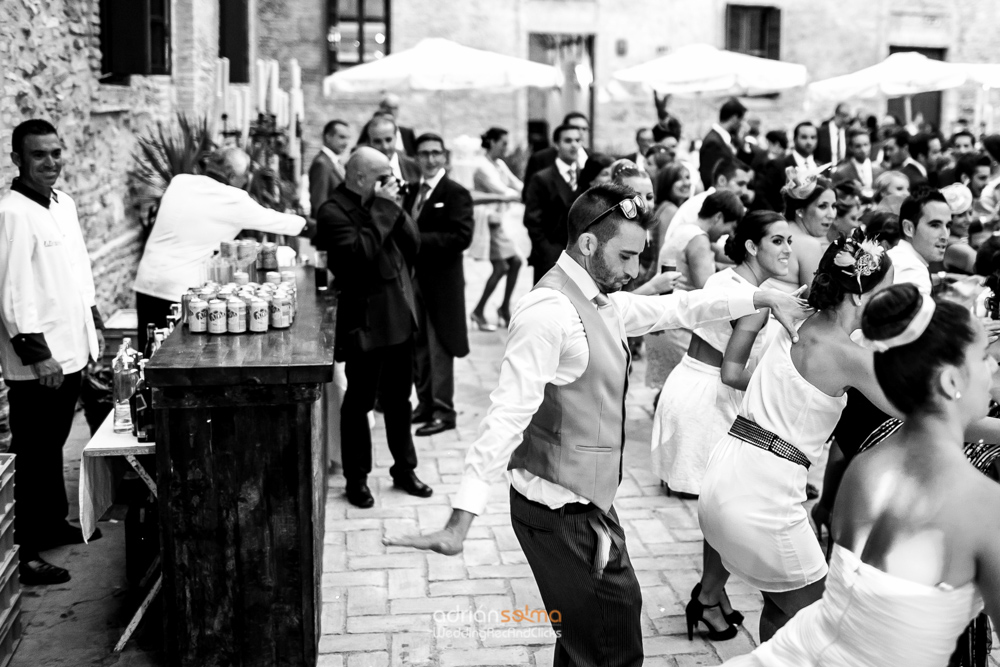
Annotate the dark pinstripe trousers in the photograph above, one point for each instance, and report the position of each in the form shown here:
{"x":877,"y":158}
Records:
{"x":599,"y":612}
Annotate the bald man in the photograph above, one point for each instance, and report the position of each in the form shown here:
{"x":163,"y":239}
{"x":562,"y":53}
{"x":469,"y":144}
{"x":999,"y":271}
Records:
{"x":372,"y":244}
{"x":196,"y":214}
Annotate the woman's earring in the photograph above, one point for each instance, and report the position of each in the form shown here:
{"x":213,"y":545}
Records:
{"x":958,"y":395}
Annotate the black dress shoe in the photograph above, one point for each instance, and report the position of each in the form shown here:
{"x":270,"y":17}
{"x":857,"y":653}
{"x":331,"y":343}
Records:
{"x":359,"y":495}
{"x":36,"y":572}
{"x":65,"y":534}
{"x":434,"y":426}
{"x":413,"y":486}
{"x":422,"y":417}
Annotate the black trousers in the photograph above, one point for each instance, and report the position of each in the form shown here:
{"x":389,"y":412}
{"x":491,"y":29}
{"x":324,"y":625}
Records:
{"x":600,"y":612}
{"x":433,"y":370}
{"x":149,"y":310}
{"x":40,"y":422}
{"x":385,"y":373}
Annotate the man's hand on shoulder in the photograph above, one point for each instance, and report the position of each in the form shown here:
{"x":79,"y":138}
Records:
{"x":448,"y":541}
{"x":786,"y":308}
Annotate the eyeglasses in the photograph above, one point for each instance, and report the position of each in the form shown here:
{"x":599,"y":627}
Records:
{"x":630,"y":208}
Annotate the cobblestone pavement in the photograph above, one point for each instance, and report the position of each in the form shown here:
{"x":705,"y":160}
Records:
{"x":395,"y":606}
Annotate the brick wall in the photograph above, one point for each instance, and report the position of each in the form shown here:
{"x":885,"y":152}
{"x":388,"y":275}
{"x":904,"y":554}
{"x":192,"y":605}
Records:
{"x":50,"y":62}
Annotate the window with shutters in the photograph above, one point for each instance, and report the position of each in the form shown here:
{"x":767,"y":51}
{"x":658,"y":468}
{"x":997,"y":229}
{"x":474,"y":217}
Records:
{"x":234,"y":38}
{"x":135,"y":38}
{"x":358,"y":31}
{"x":754,"y":30}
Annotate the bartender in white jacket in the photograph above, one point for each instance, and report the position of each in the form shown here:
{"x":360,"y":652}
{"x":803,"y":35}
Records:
{"x":49,"y":330}
{"x":196,"y":214}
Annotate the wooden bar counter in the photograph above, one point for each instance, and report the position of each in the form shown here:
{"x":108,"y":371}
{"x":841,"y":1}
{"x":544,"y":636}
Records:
{"x":240,"y":442}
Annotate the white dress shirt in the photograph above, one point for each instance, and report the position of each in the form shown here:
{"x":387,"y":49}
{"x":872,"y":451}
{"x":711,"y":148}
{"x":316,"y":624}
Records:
{"x":910,"y":267}
{"x":569,"y":172}
{"x":838,"y":142}
{"x":196,"y":214}
{"x":46,"y":283}
{"x":397,"y":171}
{"x":547,"y":344}
{"x":864,"y":170}
{"x":432,"y":182}
{"x":803,"y":161}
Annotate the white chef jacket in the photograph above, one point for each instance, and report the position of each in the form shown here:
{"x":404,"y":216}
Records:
{"x":548,"y":344}
{"x":196,"y":214}
{"x":46,"y":284}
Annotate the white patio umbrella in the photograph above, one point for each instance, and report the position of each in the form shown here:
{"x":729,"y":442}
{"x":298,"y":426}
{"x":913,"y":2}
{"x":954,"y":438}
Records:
{"x":439,"y":65}
{"x":899,"y":75}
{"x":699,"y":69}
{"x":986,"y":74}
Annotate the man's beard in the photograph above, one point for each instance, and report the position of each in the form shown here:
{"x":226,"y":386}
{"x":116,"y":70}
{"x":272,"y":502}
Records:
{"x":603,"y":275}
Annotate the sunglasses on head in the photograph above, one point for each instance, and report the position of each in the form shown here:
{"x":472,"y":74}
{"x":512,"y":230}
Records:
{"x":630,"y":208}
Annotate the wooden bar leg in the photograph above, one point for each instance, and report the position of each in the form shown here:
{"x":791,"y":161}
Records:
{"x":150,"y":572}
{"x":139,"y":613}
{"x":134,"y":462}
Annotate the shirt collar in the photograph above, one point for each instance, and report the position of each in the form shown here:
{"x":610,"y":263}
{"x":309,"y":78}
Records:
{"x":723,"y":132}
{"x":564,"y":167}
{"x":34,"y":195}
{"x":578,"y":275}
{"x":907,"y":248}
{"x":581,"y":158}
{"x":330,"y":154}
{"x":801,"y":160}
{"x":433,"y":181}
{"x":921,"y":168}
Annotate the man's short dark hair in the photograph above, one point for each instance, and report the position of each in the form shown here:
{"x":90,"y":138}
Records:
{"x":332,"y":125}
{"x":913,"y":206}
{"x":596,"y":201}
{"x":32,"y":127}
{"x":425,"y":137}
{"x":727,"y":167}
{"x":638,"y":133}
{"x":575,"y":114}
{"x":805,"y":123}
{"x":730,"y":109}
{"x":920,"y":144}
{"x":558,"y":132}
{"x":857,"y":132}
{"x":992,"y":145}
{"x":725,"y":202}
{"x":777,"y":137}
{"x":962,"y":133}
{"x":901,"y":138}
{"x":673,"y":129}
{"x":967,"y":164}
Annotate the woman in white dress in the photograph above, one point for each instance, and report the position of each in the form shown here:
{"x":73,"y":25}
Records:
{"x":702,"y":394}
{"x":911,"y":563}
{"x":751,"y":505}
{"x":809,"y":208}
{"x":492,"y":176}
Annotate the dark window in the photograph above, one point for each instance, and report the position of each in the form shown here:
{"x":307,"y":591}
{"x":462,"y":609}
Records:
{"x":135,"y":38}
{"x":358,"y":31}
{"x":754,"y":30}
{"x":234,"y":38}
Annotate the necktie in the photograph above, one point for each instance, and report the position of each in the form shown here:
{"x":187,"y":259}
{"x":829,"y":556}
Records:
{"x":608,"y":314}
{"x":418,"y":205}
{"x":572,"y":181}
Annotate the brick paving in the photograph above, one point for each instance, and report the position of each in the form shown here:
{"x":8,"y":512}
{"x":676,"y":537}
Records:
{"x":395,"y":606}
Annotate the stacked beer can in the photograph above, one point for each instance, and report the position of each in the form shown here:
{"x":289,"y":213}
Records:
{"x":241,"y":306}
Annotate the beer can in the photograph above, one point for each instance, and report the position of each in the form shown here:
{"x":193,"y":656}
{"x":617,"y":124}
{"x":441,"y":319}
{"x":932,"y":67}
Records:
{"x":217,"y":316}
{"x":273,"y":277}
{"x":259,"y":315}
{"x":241,"y":277}
{"x":280,"y":311}
{"x":236,"y":315}
{"x":288,"y":277}
{"x":268,"y":257}
{"x":227,"y":249}
{"x":197,"y":316}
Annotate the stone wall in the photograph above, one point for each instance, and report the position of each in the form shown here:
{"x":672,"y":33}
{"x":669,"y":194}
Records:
{"x":50,"y":63}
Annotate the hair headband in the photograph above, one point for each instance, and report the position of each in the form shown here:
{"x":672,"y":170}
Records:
{"x":913,"y":331}
{"x":801,"y":181}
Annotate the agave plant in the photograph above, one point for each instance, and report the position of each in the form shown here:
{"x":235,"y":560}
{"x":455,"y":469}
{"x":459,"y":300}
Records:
{"x":164,"y":152}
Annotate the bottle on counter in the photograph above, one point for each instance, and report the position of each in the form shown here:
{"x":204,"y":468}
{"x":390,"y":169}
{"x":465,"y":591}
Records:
{"x":125,"y":376}
{"x":143,"y":424}
{"x":150,"y":341}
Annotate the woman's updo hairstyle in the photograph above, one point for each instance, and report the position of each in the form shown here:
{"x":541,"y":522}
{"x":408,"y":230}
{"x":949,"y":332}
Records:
{"x":794,"y":203}
{"x":907,"y":372}
{"x":851,"y":265}
{"x":752,"y":227}
{"x":492,"y":135}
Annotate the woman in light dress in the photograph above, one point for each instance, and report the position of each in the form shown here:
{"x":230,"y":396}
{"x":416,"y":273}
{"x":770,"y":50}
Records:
{"x":492,"y":176}
{"x":688,"y":249}
{"x":700,"y":398}
{"x":809,"y":209}
{"x":911,"y":563}
{"x":751,"y":505}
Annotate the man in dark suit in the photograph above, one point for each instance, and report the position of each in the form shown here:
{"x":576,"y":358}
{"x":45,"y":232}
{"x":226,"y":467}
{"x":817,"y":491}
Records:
{"x":405,"y":137}
{"x":382,"y":137}
{"x":546,"y":157}
{"x":644,"y":141}
{"x":442,"y":210}
{"x":897,"y":153}
{"x":372,"y":244}
{"x":326,"y":171}
{"x":832,"y":145}
{"x":804,"y":139}
{"x":720,"y":142}
{"x":549,"y":195}
{"x":859,"y":166}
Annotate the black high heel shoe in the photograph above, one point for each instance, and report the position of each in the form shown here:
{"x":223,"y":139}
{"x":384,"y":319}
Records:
{"x":503,"y":316}
{"x":695,"y":612}
{"x":732,"y":618}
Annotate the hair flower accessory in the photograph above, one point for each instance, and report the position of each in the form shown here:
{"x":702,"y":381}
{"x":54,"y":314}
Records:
{"x":859,"y":257}
{"x":801,"y":181}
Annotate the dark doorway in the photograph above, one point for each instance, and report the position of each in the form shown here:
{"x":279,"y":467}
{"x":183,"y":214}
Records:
{"x":926,"y":104}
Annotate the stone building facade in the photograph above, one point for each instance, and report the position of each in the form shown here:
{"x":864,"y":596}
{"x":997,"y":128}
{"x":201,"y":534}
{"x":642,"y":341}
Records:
{"x":829,"y":37}
{"x":50,"y":65}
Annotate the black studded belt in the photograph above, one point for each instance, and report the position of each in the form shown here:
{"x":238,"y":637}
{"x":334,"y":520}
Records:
{"x":748,"y":431}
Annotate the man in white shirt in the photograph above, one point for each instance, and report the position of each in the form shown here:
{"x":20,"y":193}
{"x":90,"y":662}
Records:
{"x":557,"y":424}
{"x":925,"y":220}
{"x":196,"y":214}
{"x":50,"y":331}
{"x":326,"y":171}
{"x":382,"y":137}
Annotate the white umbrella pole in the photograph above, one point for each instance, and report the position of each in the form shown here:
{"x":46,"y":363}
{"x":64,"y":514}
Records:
{"x":908,"y":109}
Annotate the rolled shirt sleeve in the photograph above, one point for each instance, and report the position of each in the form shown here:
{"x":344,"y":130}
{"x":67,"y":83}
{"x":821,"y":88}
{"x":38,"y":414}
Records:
{"x":683,"y":310}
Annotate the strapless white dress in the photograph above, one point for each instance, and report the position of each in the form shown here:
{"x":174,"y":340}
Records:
{"x":867,"y":618}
